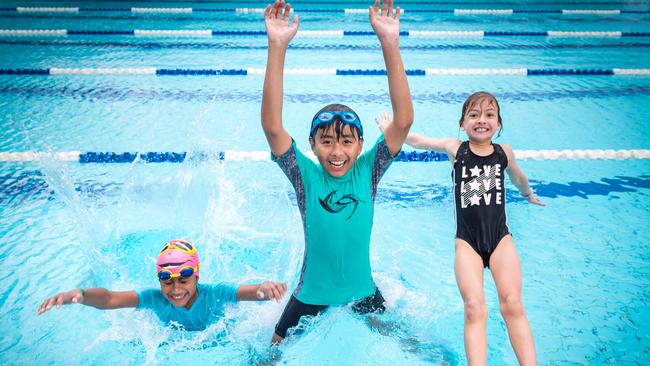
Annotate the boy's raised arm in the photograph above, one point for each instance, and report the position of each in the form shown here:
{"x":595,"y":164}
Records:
{"x":280,"y":33}
{"x":386,"y":26}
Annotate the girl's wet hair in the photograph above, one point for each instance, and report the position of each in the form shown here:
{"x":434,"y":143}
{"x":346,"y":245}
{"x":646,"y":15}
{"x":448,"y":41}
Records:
{"x":478,"y":98}
{"x":337,"y":124}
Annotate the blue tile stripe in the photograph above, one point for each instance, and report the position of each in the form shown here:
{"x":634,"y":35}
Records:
{"x":166,"y":10}
{"x":342,"y":72}
{"x":437,"y":46}
{"x":415,"y":2}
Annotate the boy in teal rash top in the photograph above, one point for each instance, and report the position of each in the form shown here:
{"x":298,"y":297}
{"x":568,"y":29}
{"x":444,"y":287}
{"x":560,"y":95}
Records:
{"x":337,"y":215}
{"x":336,"y":196}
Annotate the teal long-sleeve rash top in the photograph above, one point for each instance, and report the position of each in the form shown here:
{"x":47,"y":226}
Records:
{"x":337,"y":215}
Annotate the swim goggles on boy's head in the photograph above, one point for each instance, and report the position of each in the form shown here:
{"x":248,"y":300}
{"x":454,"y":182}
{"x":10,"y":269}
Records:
{"x":327,"y":117}
{"x":166,"y":274}
{"x":180,"y":245}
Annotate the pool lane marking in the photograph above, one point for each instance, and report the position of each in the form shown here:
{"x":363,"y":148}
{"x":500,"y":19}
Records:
{"x":179,"y":10}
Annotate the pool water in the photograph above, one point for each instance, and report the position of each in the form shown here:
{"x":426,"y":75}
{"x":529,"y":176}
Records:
{"x":65,"y":224}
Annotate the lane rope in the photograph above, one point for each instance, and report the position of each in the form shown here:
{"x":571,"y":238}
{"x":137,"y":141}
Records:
{"x":231,"y":155}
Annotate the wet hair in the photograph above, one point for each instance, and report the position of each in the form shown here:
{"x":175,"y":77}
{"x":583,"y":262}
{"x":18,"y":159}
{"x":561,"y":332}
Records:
{"x":337,"y":124}
{"x":478,"y":98}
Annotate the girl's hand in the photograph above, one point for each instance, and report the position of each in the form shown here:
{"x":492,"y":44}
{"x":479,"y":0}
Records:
{"x":271,"y":291}
{"x":277,"y":23}
{"x":62,"y":298}
{"x":533,"y":198}
{"x":384,"y":23}
{"x":383,"y":120}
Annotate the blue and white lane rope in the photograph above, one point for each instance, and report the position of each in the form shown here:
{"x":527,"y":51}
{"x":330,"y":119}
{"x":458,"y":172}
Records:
{"x":322,"y":71}
{"x":313,"y":33}
{"x":199,"y":156}
{"x":179,"y":10}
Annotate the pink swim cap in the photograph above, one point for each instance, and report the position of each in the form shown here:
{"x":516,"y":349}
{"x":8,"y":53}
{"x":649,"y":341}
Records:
{"x":176,"y":255}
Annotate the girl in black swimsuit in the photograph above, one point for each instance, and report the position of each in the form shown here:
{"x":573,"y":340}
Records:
{"x":483,"y":238}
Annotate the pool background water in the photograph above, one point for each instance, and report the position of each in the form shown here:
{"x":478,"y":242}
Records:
{"x":65,"y":225}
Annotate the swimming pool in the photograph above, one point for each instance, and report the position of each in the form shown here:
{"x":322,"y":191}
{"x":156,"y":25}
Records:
{"x":67,"y":224}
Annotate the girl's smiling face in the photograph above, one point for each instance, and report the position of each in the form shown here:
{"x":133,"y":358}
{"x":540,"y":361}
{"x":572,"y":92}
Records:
{"x":481,"y":121}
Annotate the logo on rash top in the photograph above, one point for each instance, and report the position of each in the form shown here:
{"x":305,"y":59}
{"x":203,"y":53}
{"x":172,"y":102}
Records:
{"x":340,"y":204}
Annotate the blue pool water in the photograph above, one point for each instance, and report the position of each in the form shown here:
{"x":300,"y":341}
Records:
{"x":65,"y":225}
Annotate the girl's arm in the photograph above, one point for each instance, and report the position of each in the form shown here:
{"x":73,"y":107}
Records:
{"x":279,"y":35}
{"x":267,"y":290}
{"x":447,"y":145}
{"x":99,"y":298}
{"x":386,"y":26}
{"x":518,"y":177}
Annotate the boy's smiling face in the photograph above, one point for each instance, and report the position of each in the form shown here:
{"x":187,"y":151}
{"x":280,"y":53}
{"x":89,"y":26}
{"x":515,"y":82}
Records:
{"x":180,"y":291}
{"x":336,"y":154}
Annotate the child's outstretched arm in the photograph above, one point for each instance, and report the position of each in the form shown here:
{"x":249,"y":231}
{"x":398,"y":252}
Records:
{"x":267,"y":290}
{"x":445,"y":145}
{"x":386,"y":26}
{"x":99,"y":298}
{"x":518,"y":177}
{"x":280,"y":33}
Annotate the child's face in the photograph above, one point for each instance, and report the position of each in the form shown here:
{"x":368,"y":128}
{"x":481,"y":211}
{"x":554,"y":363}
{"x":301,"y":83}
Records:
{"x":180,"y":291}
{"x":336,"y":155}
{"x":481,"y":121}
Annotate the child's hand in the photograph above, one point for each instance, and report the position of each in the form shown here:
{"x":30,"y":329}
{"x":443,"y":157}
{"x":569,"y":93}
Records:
{"x":62,"y":298}
{"x":271,"y":291}
{"x":277,"y":23}
{"x":383,"y":120}
{"x":533,"y":198}
{"x":385,"y":25}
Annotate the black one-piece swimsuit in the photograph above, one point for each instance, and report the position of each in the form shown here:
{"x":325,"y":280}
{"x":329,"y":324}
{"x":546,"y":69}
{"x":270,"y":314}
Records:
{"x":480,"y":197}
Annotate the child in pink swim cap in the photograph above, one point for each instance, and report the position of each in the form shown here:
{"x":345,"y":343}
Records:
{"x":180,"y":299}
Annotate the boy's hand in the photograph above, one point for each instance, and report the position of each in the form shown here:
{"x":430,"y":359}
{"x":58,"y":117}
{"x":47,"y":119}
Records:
{"x":277,"y":23}
{"x":62,"y":298}
{"x":383,"y":120}
{"x":271,"y":291}
{"x":385,"y":25}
